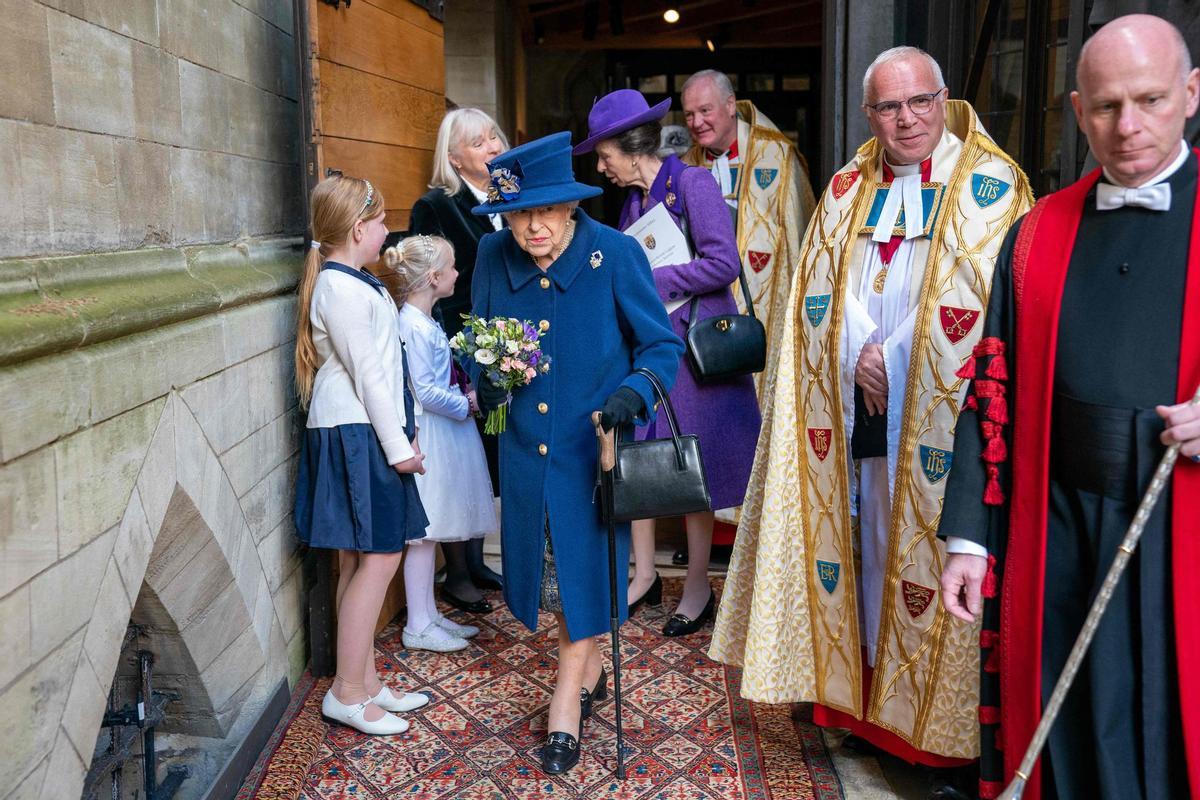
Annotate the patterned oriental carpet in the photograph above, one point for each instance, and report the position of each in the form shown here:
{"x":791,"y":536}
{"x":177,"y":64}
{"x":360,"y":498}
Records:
{"x":688,"y":735}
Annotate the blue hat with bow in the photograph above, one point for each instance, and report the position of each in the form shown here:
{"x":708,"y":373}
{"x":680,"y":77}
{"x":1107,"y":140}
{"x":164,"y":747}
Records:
{"x":535,"y":174}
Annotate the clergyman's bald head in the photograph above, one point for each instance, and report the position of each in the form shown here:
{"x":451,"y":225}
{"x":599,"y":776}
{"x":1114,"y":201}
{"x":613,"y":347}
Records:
{"x":1136,"y":90}
{"x":1146,"y":30}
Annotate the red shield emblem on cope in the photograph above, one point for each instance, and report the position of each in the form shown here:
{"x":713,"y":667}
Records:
{"x":758,"y":259}
{"x":916,"y":598}
{"x":820,"y":439}
{"x":957,"y":322}
{"x":842,"y":183}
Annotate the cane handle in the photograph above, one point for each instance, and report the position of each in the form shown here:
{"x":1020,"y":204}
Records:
{"x":608,"y":444}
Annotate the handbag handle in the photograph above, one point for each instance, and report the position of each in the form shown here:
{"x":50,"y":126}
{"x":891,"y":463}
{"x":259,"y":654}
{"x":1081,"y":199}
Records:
{"x":664,"y":400}
{"x":694,"y":306}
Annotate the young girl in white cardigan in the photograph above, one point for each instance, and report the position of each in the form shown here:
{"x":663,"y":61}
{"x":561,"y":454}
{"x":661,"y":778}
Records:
{"x":456,"y":490}
{"x":355,"y":491}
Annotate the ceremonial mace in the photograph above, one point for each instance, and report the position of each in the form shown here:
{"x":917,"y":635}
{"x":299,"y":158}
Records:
{"x":608,"y":460}
{"x":1016,"y":787}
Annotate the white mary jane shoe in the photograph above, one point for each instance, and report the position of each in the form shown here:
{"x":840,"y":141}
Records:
{"x":352,"y":716}
{"x":407,"y":701}
{"x":458,"y":629}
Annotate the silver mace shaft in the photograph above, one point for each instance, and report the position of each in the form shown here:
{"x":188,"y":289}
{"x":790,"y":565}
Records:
{"x":1016,"y":787}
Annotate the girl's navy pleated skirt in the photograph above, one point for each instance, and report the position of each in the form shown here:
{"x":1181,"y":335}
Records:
{"x":349,"y":498}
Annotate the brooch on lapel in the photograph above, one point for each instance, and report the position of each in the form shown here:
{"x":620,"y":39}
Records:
{"x":670,"y":199}
{"x":596,"y":260}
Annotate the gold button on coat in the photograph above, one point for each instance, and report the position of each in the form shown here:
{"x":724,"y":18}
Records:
{"x":544,"y":325}
{"x":545,"y":283}
{"x":543,"y":408}
{"x":542,"y":449}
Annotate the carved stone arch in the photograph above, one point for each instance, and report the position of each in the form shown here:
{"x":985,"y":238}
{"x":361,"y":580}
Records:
{"x":185,"y":569}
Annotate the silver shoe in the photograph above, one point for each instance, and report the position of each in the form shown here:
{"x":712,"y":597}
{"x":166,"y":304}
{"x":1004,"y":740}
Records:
{"x":458,"y":629}
{"x":435,"y":639}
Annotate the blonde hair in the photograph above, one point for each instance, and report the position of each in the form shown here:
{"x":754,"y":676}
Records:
{"x":412,"y":263}
{"x":458,"y":127}
{"x":337,"y":203}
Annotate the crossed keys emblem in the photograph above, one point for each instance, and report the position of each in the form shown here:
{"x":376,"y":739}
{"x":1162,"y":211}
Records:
{"x":957,"y":322}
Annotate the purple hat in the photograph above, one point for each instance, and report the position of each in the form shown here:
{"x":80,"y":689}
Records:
{"x":616,"y":113}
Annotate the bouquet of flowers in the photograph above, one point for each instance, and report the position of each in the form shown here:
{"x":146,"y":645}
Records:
{"x":508,"y":351}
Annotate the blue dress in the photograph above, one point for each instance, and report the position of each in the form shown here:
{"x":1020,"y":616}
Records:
{"x":347,"y":495}
{"x":602,"y":319}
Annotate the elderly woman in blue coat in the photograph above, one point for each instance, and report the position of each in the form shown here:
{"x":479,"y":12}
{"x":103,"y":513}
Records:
{"x":589,"y":289}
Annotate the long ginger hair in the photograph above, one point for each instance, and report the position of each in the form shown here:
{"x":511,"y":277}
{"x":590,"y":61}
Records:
{"x":337,"y":203}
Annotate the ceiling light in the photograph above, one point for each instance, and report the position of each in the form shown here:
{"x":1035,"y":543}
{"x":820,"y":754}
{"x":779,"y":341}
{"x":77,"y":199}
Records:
{"x":711,"y":45}
{"x":671,"y":16}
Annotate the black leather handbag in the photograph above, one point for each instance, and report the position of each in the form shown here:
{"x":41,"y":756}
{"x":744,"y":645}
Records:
{"x":726,"y":345}
{"x":659,"y":477}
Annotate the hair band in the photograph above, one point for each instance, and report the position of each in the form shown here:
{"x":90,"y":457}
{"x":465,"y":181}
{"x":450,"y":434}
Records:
{"x":314,"y":244}
{"x":370,"y":195}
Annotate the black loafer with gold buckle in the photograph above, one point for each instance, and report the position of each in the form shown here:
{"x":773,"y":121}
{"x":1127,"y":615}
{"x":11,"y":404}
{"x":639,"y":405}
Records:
{"x":560,"y":752}
{"x":679,"y":625}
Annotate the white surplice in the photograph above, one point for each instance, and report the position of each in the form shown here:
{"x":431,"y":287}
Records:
{"x":886,"y":319}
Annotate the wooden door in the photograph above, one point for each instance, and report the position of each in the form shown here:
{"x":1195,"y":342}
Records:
{"x":374,"y":93}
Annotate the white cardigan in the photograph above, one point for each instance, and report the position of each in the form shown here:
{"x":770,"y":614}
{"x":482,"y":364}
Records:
{"x":361,"y":375}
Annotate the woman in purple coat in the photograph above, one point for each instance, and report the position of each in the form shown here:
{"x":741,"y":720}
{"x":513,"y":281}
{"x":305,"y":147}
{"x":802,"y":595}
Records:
{"x":624,"y":132}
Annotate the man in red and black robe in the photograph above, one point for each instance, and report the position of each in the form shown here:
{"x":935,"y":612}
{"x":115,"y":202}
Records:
{"x":1090,"y":351}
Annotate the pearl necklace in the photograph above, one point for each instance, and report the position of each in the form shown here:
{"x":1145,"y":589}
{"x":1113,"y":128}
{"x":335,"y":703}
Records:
{"x":568,"y":235}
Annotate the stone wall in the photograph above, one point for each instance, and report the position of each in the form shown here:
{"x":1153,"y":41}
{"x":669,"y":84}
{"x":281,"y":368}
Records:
{"x":481,"y":37}
{"x":149,"y":152}
{"x":131,"y":123}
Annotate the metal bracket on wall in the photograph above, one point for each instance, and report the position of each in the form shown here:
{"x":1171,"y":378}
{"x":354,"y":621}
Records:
{"x":335,"y":3}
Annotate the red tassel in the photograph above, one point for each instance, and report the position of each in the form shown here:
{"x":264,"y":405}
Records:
{"x":988,"y":388}
{"x":989,"y":639}
{"x":990,"y":790}
{"x":972,"y":404}
{"x":998,"y":369}
{"x":996,"y":451}
{"x":993,"y":495}
{"x":967,"y":370}
{"x":997,"y":410}
{"x":990,"y":430}
{"x":990,"y":346}
{"x":989,"y":587}
{"x":989,"y":715}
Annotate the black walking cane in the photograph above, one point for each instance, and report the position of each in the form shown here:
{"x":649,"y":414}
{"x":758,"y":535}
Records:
{"x":608,"y":459}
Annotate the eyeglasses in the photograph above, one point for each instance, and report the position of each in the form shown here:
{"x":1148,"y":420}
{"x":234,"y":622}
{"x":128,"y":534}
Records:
{"x":919,"y":104}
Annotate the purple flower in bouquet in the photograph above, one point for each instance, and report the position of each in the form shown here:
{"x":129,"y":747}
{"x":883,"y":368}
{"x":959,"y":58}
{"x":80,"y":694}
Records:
{"x":509,"y":350}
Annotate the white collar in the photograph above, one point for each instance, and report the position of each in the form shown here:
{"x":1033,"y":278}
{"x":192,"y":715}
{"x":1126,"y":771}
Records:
{"x":901,"y":170}
{"x":1171,"y":169}
{"x":480,"y":195}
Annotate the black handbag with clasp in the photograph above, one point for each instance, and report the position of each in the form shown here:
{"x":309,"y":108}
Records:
{"x":726,"y":345}
{"x":659,"y":477}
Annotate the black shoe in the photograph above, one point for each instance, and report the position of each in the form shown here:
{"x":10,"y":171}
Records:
{"x":560,"y":752}
{"x":679,"y":558}
{"x":481,"y":606}
{"x":486,"y":578}
{"x":586,"y":698}
{"x":953,"y":784}
{"x":652,"y":596}
{"x":860,"y":745}
{"x":679,"y":625}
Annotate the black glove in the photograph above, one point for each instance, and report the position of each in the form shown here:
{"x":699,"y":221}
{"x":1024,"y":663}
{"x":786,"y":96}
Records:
{"x":622,"y":406}
{"x":489,"y":395}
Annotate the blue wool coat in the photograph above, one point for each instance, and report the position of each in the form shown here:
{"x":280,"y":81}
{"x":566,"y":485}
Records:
{"x":604,"y":320}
